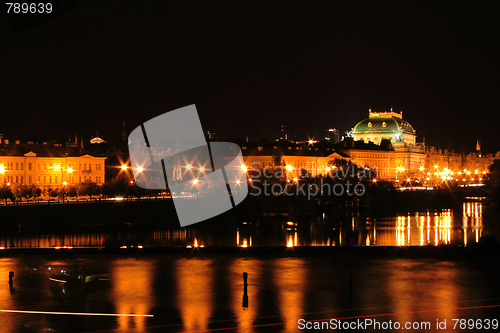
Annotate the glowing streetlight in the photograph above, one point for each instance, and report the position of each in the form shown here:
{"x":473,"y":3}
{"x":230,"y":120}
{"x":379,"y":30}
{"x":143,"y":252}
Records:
{"x":69,"y":170}
{"x":124,"y":167}
{"x":436,"y":166}
{"x":2,"y":168}
{"x":289,"y":167}
{"x":140,"y":169}
{"x":244,"y":167}
{"x":311,"y":142}
{"x":421,"y":168}
{"x":64,"y":183}
{"x":57,"y":167}
{"x":328,"y":169}
{"x":195,"y":181}
{"x":202,"y":169}
{"x":189,"y":166}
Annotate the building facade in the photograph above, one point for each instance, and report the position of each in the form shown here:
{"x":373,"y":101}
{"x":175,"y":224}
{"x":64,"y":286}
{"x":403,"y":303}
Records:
{"x":47,"y":165}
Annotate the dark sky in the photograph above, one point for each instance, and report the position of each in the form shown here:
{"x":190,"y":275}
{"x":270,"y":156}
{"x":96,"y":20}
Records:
{"x":250,"y":66}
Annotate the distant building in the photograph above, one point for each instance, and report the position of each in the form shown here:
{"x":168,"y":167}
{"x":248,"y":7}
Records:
{"x":47,"y":165}
{"x":333,"y":135}
{"x":383,"y":142}
{"x":297,"y":159}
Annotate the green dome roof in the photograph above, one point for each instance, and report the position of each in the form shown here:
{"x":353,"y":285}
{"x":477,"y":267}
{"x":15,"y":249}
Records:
{"x":383,"y":125}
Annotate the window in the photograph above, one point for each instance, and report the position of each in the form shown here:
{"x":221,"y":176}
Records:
{"x":50,"y":179}
{"x":384,"y":124}
{"x":369,"y":124}
{"x":55,"y":181}
{"x":22,"y":179}
{"x":79,"y":166}
{"x":22,"y":166}
{"x":29,"y":167}
{"x":44,"y":179}
{"x":84,"y":166}
{"x":17,"y":166}
{"x":29,"y":179}
{"x":39,"y":166}
{"x":17,"y":178}
{"x":44,"y":166}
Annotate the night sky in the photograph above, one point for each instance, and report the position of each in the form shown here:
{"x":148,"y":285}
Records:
{"x":250,"y":66}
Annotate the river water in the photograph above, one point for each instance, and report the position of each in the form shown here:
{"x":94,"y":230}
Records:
{"x":67,"y":291}
{"x":435,"y":227}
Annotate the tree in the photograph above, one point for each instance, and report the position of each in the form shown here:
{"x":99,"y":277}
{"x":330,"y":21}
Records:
{"x":88,"y":188}
{"x":6,"y":193}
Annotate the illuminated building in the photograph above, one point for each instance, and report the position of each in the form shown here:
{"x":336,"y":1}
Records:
{"x":383,"y":142}
{"x":48,"y":165}
{"x":297,"y":159}
{"x":384,"y":125}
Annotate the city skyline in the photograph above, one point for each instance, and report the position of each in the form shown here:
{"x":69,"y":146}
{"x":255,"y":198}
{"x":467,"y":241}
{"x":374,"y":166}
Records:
{"x":278,"y":64}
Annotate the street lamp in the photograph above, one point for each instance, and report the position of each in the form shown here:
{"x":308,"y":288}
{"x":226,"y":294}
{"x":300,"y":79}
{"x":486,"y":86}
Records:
{"x":124,"y":167}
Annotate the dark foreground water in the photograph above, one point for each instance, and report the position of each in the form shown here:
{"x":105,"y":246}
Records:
{"x":204,"y":294}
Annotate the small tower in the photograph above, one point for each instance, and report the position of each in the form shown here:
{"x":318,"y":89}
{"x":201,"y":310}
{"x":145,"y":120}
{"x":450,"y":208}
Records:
{"x":478,"y":147}
{"x":124,"y":133}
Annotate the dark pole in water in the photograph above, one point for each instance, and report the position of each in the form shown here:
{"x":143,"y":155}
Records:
{"x":11,"y":278}
{"x":245,"y":290}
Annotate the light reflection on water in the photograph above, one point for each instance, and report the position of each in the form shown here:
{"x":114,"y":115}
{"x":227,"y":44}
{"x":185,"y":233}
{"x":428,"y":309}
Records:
{"x":417,"y":229}
{"x":188,"y":294}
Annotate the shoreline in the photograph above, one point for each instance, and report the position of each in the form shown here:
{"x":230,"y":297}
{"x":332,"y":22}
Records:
{"x":486,"y":247}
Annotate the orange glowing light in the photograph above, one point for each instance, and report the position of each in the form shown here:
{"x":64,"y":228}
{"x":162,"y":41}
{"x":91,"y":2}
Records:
{"x":124,"y":167}
{"x":140,"y":169}
{"x":189,"y":166}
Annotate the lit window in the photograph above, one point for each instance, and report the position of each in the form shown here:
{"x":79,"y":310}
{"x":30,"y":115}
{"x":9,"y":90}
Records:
{"x":369,"y":124}
{"x":384,"y":124}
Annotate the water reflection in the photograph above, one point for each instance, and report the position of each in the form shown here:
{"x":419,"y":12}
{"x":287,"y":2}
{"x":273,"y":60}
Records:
{"x":417,"y":229}
{"x":132,"y":291}
{"x":194,"y":292}
{"x":207,"y":292}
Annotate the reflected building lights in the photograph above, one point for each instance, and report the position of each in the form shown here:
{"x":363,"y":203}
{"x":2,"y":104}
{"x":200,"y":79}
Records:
{"x":194,"y":292}
{"x":132,"y":291}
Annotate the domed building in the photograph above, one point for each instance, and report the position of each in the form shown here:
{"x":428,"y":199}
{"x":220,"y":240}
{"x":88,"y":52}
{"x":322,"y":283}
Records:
{"x":384,"y":125}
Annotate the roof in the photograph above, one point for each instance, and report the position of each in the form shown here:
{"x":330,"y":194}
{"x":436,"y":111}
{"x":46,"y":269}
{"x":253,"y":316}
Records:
{"x":40,"y":150}
{"x":383,"y":124}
